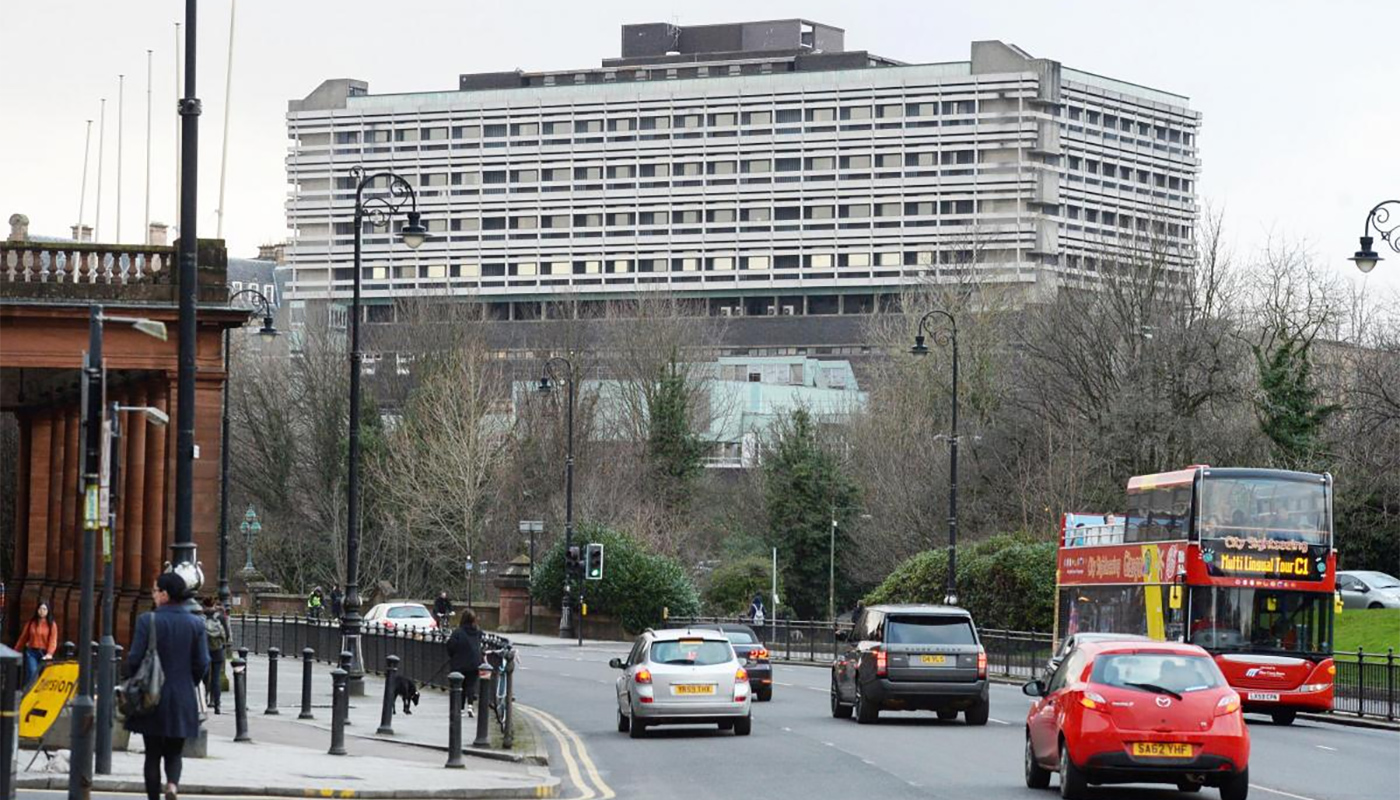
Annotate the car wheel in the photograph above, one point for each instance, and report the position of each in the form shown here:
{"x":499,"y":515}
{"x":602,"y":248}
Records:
{"x":1237,"y":788}
{"x":743,"y":726}
{"x":1375,"y":605}
{"x":638,"y":729}
{"x":866,"y":712}
{"x":624,"y":722}
{"x":1188,"y":787}
{"x":1037,"y":777}
{"x":764,"y":694}
{"x":948,"y":715}
{"x":1284,"y":717}
{"x":978,"y":714}
{"x":839,"y":709}
{"x":1072,"y":782}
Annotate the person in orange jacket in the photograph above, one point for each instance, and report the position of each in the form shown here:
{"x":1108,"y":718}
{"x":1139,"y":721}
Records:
{"x":37,"y":640}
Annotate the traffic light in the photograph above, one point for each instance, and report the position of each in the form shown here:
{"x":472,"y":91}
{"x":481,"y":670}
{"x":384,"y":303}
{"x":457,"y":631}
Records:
{"x":572,"y":561}
{"x":593,"y":568}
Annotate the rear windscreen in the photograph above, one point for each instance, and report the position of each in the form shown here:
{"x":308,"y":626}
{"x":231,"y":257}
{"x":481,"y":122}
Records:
{"x":739,"y":637}
{"x":1148,"y":671}
{"x":694,"y":652}
{"x":929,"y":630}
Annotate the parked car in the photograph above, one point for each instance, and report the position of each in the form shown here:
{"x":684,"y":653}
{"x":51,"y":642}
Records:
{"x":1368,"y":589}
{"x":686,"y":676}
{"x":1137,"y":712}
{"x":909,"y":658}
{"x":1075,"y":639}
{"x":393,"y":617}
{"x":749,"y":647}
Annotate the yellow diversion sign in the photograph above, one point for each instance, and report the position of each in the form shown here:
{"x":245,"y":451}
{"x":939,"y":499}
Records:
{"x":46,"y":698}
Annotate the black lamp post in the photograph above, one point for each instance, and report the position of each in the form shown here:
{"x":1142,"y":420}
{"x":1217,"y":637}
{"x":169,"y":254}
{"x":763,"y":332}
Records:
{"x":1366,"y":258}
{"x":263,"y":306}
{"x":547,"y":381}
{"x":947,"y":334}
{"x":380,"y":209}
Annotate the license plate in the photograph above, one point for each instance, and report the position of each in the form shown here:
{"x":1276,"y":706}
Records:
{"x":1162,"y":749}
{"x":1266,"y":697}
{"x":693,"y":688}
{"x":932,"y":659}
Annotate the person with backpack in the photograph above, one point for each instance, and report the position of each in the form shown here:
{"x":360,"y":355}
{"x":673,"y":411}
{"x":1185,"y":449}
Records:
{"x":756,"y":610}
{"x":179,"y":644}
{"x":217,"y":633}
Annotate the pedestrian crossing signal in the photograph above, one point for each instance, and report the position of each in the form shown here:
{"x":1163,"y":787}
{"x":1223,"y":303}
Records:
{"x":593,"y":562}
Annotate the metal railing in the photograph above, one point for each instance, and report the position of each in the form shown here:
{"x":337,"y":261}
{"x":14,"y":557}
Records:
{"x":422,"y":653}
{"x":1366,"y":684}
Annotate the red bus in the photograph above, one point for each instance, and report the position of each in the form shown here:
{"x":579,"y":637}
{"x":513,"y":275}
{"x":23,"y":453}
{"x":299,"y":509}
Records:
{"x":1238,"y":561}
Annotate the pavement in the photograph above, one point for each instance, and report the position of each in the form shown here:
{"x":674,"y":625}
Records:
{"x":798,"y":751}
{"x":288,"y":757}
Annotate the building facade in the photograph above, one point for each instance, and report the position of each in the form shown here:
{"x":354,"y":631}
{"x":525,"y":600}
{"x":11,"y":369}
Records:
{"x":759,"y":166}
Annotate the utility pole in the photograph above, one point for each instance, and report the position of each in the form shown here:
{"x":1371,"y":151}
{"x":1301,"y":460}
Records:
{"x":80,"y":770}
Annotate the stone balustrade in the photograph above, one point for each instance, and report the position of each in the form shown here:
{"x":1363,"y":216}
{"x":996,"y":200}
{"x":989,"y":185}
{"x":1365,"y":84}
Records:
{"x":89,"y":271}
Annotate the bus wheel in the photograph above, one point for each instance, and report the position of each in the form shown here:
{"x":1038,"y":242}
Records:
{"x":1284,"y":717}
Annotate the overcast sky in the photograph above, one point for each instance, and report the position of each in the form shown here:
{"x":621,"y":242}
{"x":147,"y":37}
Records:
{"x":1301,"y":132}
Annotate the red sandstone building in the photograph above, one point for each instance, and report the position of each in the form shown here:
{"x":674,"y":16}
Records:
{"x":46,"y":289}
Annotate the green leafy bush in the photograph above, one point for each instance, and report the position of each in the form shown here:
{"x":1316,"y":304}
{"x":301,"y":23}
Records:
{"x":636,"y":586}
{"x":1006,"y":581}
{"x":734,"y":583}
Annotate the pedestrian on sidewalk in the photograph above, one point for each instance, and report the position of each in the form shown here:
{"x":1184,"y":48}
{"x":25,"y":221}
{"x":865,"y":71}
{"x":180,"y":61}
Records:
{"x":217,"y":635}
{"x":183,"y":649}
{"x":756,"y":610}
{"x":337,"y":603}
{"x":38,"y":640}
{"x":464,"y":655}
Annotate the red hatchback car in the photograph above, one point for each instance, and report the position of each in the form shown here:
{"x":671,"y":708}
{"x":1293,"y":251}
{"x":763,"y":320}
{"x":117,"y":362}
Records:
{"x":1137,"y":712}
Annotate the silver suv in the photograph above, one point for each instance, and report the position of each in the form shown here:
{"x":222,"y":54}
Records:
{"x":682,"y":677}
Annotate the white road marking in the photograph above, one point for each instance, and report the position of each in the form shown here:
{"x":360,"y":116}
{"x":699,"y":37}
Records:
{"x":787,"y":730}
{"x":1279,"y":792}
{"x":1328,"y":749}
{"x":998,"y":721}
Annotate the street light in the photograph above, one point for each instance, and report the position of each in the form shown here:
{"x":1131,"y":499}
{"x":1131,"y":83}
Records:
{"x":250,"y":528}
{"x":547,"y":380}
{"x":268,"y":333}
{"x":93,"y":390}
{"x":380,"y":209}
{"x":948,"y":334}
{"x":1366,"y":258}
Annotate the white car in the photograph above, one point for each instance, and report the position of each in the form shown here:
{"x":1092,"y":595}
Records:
{"x":682,"y":677}
{"x":394,"y":617}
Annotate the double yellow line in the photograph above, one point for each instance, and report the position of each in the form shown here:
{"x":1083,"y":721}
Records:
{"x":582,"y":771}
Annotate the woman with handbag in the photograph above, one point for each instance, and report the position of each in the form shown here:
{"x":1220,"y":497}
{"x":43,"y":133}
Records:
{"x":174,"y":639}
{"x":37,"y":641}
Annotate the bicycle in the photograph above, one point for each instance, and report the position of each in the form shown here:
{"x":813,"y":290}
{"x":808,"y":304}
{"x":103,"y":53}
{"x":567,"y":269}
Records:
{"x":502,"y":705}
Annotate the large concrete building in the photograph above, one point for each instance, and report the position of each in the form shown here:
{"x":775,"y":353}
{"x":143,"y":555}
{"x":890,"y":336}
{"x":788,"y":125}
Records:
{"x":759,"y":166}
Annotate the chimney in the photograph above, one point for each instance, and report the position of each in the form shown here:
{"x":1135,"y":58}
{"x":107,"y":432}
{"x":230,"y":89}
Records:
{"x":156,"y":236}
{"x":19,"y":228}
{"x":272,"y":252}
{"x":82,"y":233}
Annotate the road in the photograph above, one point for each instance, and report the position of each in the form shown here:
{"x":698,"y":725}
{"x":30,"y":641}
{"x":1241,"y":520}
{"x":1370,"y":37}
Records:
{"x":797,"y":750}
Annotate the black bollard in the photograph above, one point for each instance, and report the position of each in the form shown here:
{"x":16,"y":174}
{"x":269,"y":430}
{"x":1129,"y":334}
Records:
{"x":240,"y":697}
{"x":339,"y":691}
{"x":272,"y":655}
{"x":307,"y":656}
{"x":484,"y":675}
{"x":67,"y":651}
{"x":345,"y":658}
{"x":454,"y":721}
{"x":10,"y":680}
{"x":386,"y":714}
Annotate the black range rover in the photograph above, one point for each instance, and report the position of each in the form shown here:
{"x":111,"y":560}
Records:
{"x":911,"y":658}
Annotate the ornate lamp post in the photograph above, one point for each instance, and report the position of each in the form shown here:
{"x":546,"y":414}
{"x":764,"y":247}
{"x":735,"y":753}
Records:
{"x":380,"y":209}
{"x":250,"y":527}
{"x":1366,"y":258}
{"x":547,"y":380}
{"x":263,"y":306}
{"x":947,"y":334}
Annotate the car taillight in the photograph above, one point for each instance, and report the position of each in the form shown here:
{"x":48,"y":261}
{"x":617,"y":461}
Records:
{"x":1228,"y":704}
{"x":1332,"y":669}
{"x":388,"y":626}
{"x":981,"y":663}
{"x":642,"y":676}
{"x":1094,"y":701}
{"x":882,"y":663}
{"x":758,"y":655}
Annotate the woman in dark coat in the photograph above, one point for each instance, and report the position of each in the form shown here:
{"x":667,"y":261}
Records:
{"x":184,"y":658}
{"x":464,"y":654}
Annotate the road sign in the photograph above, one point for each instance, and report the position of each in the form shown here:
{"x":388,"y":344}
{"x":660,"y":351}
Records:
{"x":46,"y":698}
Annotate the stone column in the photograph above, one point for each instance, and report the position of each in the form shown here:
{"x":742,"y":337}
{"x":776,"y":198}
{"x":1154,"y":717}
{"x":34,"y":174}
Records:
{"x":513,"y":586}
{"x":68,"y":534}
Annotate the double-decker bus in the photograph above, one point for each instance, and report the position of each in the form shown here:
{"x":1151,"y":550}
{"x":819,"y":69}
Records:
{"x":1238,"y":561}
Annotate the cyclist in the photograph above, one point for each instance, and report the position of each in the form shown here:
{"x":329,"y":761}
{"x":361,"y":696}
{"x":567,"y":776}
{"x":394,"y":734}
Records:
{"x":442,"y":609}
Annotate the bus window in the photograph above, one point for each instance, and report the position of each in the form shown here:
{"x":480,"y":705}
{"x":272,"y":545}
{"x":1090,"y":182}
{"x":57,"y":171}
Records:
{"x":1261,"y":620}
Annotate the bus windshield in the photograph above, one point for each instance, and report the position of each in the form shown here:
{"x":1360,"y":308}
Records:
{"x":1261,"y":621}
{"x":1267,"y":508}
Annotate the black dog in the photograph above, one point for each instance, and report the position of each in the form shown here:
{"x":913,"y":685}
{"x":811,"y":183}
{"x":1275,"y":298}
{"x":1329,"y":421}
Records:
{"x":407,"y":691}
